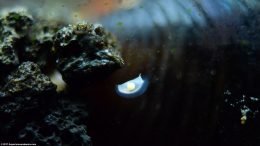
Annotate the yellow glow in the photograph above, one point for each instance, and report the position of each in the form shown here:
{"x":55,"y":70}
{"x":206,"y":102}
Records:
{"x":130,"y":86}
{"x":243,"y":120}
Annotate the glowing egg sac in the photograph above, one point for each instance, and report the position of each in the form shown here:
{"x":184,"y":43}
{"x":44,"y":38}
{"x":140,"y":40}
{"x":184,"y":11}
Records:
{"x":132,"y":88}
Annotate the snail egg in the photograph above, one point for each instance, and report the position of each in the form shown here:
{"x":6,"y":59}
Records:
{"x":132,"y":88}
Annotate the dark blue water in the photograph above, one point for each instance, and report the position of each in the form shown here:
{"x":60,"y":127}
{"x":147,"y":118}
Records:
{"x":204,"y":76}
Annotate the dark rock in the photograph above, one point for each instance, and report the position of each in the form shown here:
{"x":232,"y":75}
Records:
{"x":86,"y":53}
{"x":22,"y":39}
{"x":82,"y":37}
{"x":84,"y":68}
{"x":25,"y":96}
{"x":8,"y":55}
{"x":39,"y":46}
{"x":31,"y":110}
{"x":62,"y":126}
{"x":19,"y":21}
{"x":28,"y":80}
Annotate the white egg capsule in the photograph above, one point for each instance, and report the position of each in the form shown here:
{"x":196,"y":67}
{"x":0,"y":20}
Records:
{"x":132,"y":88}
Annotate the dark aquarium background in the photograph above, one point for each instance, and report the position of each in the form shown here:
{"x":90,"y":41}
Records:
{"x":61,"y":62}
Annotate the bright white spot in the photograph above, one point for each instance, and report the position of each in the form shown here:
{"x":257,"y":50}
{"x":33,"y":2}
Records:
{"x":56,"y":78}
{"x":254,"y":98}
{"x":132,"y":88}
{"x":227,"y":92}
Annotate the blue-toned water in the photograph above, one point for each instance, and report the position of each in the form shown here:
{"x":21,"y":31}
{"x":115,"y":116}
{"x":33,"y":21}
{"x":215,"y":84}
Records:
{"x":202,"y":62}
